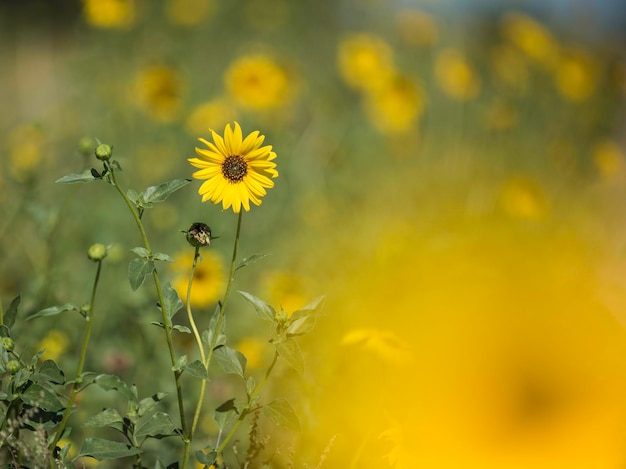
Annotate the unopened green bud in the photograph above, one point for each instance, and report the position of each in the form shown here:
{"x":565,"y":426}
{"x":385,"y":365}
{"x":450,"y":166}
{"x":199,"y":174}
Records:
{"x":7,"y":343}
{"x":13,"y":366}
{"x":199,"y":235}
{"x":86,"y":145}
{"x":104,"y":152}
{"x":97,"y":252}
{"x":281,"y":317}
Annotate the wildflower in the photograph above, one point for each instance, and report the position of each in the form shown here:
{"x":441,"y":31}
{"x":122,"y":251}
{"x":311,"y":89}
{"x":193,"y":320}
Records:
{"x":109,"y":14}
{"x":55,"y":343}
{"x":208,"y":277}
{"x":103,"y":152}
{"x":417,"y":28}
{"x":455,"y":76}
{"x":531,"y":37}
{"x":237,"y":170}
{"x":159,"y":89}
{"x":7,"y":343}
{"x":188,"y":12}
{"x":257,"y":82}
{"x":199,"y":235}
{"x":365,"y":61}
{"x":13,"y":366}
{"x":209,"y":115}
{"x":97,"y":252}
{"x":253,"y":349}
{"x":576,"y":76}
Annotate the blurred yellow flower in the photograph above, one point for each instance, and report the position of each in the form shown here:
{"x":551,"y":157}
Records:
{"x":208,"y":278}
{"x":396,"y":107}
{"x":209,"y":115}
{"x":455,"y":76}
{"x":258,"y":82}
{"x":384,"y":345}
{"x":417,"y":28}
{"x":254,"y":351}
{"x":523,"y":198}
{"x":531,"y":37}
{"x":608,"y":157}
{"x":26,"y":145}
{"x":159,"y":90}
{"x":509,"y":67}
{"x":237,"y":170}
{"x":285,"y":290}
{"x":576,"y":76}
{"x":365,"y":61}
{"x":109,"y":14}
{"x":188,"y":12}
{"x":55,"y":342}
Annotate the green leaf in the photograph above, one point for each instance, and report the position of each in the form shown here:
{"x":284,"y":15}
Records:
{"x":172,"y":301}
{"x":162,"y":191}
{"x":49,"y":372}
{"x":250,"y":385}
{"x":301,"y":325}
{"x":158,"y":424}
{"x":180,"y":363}
{"x":11,"y":313}
{"x":104,"y":419}
{"x":282,"y":414}
{"x":314,"y":307}
{"x":207,"y":335}
{"x":38,"y":396}
{"x":132,"y":196}
{"x":113,"y":383}
{"x":141,"y":252}
{"x":137,"y":271}
{"x":250,"y":260}
{"x":264,"y":310}
{"x":196,"y":369}
{"x":179,"y":328}
{"x":106,"y":449}
{"x":159,"y":256}
{"x":206,"y":458}
{"x":85,"y":176}
{"x":53,"y":311}
{"x":290,"y":351}
{"x":149,"y":403}
{"x":159,"y":465}
{"x":226,"y":413}
{"x":230,"y":360}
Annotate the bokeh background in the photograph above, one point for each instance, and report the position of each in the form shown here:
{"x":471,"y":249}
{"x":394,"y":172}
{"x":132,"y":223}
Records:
{"x":452,"y":178}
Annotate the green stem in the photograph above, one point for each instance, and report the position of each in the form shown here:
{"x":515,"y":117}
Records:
{"x":206,"y":360}
{"x":81,"y":361}
{"x":167,"y":325}
{"x":188,"y":303}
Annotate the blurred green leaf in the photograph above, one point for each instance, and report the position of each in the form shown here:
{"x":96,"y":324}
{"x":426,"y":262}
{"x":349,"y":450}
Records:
{"x":314,"y":307}
{"x":53,"y":311}
{"x":49,"y":372}
{"x":301,"y":325}
{"x":159,"y":465}
{"x":11,"y":313}
{"x":290,"y":351}
{"x":225,"y":414}
{"x":137,"y":271}
{"x":84,"y":176}
{"x":179,"y":328}
{"x":113,"y":383}
{"x":132,"y":196}
{"x":264,"y":310}
{"x":141,"y":252}
{"x":206,"y":458}
{"x":38,"y":396}
{"x":158,"y":424}
{"x":180,"y":363}
{"x":149,"y":403}
{"x":207,"y":335}
{"x":4,"y":331}
{"x":230,"y":360}
{"x":104,"y":419}
{"x":162,"y":191}
{"x":282,"y":414}
{"x":106,"y":449}
{"x":250,"y":385}
{"x":250,"y":260}
{"x":172,"y":301}
{"x":159,"y":256}
{"x":196,"y":369}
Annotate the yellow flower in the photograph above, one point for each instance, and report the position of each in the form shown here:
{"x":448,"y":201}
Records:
{"x":237,"y":170}
{"x":395,"y":107}
{"x":531,"y":37}
{"x":159,"y":90}
{"x":608,"y":158}
{"x":257,"y":82}
{"x":576,"y":76}
{"x":365,"y":61}
{"x":253,"y":349}
{"x":455,"y":76}
{"x":55,"y":342}
{"x":188,"y":12}
{"x":109,"y":14}
{"x":208,"y":278}
{"x":25,"y":149}
{"x":209,"y":115}
{"x":417,"y":28}
{"x":523,"y":198}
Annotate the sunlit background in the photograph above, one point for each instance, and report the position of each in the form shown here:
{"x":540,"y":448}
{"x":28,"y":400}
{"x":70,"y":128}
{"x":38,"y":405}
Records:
{"x":452,"y":178}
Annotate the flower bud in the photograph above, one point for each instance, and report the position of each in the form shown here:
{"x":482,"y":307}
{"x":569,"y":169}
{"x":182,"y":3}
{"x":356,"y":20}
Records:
{"x":86,"y":145}
{"x":97,"y":252}
{"x":199,"y":235}
{"x":7,"y":343}
{"x":104,"y":152}
{"x":281,"y":316}
{"x":13,"y":366}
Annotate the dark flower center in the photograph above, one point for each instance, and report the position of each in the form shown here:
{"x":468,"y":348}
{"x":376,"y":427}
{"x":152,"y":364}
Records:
{"x":234,"y":168}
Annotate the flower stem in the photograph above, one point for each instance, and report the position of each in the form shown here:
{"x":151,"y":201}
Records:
{"x":188,"y":303}
{"x":206,"y":360}
{"x":81,"y":361}
{"x":167,"y":325}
